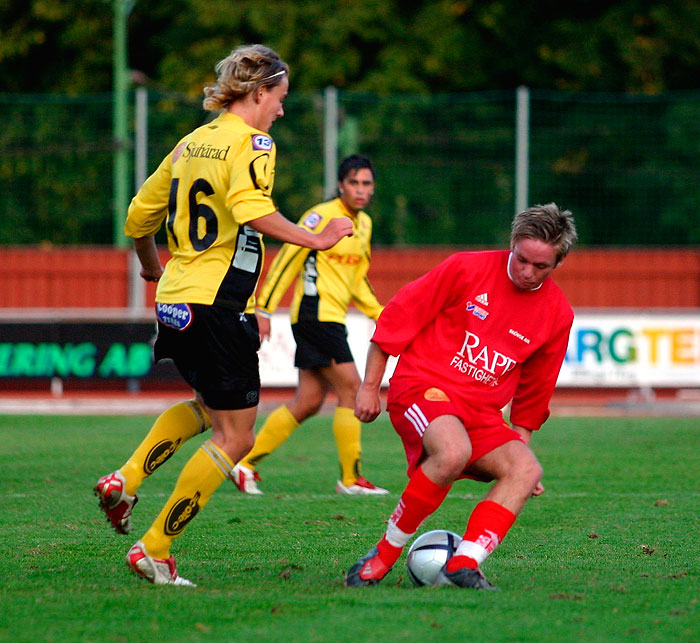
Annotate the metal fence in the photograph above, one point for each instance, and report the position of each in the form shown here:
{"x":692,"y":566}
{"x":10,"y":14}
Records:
{"x":451,"y":168}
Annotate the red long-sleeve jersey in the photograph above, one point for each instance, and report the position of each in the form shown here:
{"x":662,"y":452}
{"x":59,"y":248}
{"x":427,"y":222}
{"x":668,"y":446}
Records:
{"x":465,"y":329}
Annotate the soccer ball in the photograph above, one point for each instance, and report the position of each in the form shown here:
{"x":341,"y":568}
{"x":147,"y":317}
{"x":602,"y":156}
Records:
{"x":428,"y":553}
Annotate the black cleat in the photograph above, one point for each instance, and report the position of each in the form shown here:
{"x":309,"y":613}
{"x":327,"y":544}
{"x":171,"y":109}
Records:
{"x":369,"y":570}
{"x":464,"y":577}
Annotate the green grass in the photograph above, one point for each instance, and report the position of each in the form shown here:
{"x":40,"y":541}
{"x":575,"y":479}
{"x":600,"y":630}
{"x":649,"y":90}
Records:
{"x":609,"y":553}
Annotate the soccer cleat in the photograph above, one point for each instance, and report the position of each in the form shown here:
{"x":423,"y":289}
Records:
{"x":115,"y":502}
{"x":463,"y":577}
{"x":369,"y":570}
{"x":246,"y":480}
{"x":361,"y":487}
{"x":158,"y":572}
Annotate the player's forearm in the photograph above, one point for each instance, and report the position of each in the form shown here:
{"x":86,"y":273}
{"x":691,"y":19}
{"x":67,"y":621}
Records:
{"x":367,"y":403}
{"x":375,"y":367}
{"x":147,"y":252}
{"x":275,"y":225}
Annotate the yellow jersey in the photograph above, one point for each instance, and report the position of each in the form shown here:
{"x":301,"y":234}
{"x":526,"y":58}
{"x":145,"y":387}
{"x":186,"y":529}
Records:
{"x":326,"y":280}
{"x":216,"y":180}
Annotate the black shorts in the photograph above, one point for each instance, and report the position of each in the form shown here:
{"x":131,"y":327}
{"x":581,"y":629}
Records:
{"x":319,"y":343}
{"x":215,"y":349}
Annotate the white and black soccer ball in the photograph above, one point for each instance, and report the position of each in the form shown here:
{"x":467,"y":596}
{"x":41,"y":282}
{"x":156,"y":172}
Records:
{"x":428,"y":553}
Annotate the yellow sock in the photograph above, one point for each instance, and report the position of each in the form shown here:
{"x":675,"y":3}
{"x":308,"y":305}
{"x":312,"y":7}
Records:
{"x":347,"y":431}
{"x":170,"y":431}
{"x":208,"y":467}
{"x":280,"y":424}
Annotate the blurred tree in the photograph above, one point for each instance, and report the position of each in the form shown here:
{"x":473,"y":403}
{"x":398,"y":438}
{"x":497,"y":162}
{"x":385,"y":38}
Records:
{"x":382,"y":46}
{"x":444,"y":154}
{"x":55,"y":46}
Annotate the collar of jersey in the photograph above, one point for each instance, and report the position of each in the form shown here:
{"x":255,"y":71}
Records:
{"x":354,"y":217}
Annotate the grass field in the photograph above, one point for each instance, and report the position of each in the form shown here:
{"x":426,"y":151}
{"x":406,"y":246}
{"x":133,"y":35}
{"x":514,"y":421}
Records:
{"x":609,"y":553}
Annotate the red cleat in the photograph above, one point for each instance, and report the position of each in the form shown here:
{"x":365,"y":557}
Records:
{"x":369,"y":570}
{"x":115,"y":502}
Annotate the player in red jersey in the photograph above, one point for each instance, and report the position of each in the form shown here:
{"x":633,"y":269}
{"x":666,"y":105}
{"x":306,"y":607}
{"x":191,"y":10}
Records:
{"x":480,"y":330}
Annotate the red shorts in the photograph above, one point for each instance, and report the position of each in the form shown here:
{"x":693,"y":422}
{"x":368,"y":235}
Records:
{"x":411,"y":409}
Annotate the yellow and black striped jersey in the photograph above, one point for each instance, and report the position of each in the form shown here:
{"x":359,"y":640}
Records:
{"x":327,"y":280}
{"x":218,"y":178}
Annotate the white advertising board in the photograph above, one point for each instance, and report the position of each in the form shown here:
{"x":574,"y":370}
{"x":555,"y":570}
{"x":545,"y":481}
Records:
{"x":633,"y":350}
{"x":277,"y":354}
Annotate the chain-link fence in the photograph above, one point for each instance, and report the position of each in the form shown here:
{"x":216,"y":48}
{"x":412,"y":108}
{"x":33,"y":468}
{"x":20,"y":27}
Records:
{"x":446,"y":164}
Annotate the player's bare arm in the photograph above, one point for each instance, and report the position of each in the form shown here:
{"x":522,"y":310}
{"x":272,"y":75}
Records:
{"x":147,"y":252}
{"x":367,"y":403}
{"x":276,"y":226}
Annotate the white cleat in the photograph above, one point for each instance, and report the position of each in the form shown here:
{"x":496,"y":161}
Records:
{"x":158,"y":572}
{"x":246,"y":480}
{"x":361,"y":487}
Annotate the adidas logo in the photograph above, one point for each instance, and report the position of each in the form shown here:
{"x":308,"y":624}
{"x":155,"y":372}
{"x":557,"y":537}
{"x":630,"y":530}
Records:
{"x":483,"y":298}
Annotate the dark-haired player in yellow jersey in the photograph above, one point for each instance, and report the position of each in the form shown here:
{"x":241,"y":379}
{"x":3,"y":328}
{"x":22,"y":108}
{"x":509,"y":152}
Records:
{"x":213,"y":192}
{"x":326,"y":282}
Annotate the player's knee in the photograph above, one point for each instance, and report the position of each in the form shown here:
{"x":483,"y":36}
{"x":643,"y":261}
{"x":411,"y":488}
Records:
{"x":307,"y":407}
{"x":234,"y":441}
{"x":240,"y":447}
{"x":347,"y":393}
{"x":315,"y":406}
{"x":529,"y":471}
{"x":454,"y":460}
{"x":305,"y":404}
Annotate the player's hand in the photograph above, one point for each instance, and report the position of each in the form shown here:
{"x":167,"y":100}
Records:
{"x":147,"y":252}
{"x":264,"y":327}
{"x":335,"y":230}
{"x":151,"y":274}
{"x":367,"y":404}
{"x":538,"y":490}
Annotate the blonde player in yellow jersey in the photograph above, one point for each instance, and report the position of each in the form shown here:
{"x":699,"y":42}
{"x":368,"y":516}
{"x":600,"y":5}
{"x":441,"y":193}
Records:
{"x":326,"y":282}
{"x":213,"y":192}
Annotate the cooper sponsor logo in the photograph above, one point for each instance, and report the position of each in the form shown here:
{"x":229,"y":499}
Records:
{"x":181,"y":514}
{"x":262,"y":142}
{"x":178,"y":316}
{"x":159,"y":454}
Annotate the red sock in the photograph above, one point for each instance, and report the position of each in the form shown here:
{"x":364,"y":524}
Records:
{"x":487,"y":526}
{"x":420,"y":498}
{"x":387,"y":552}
